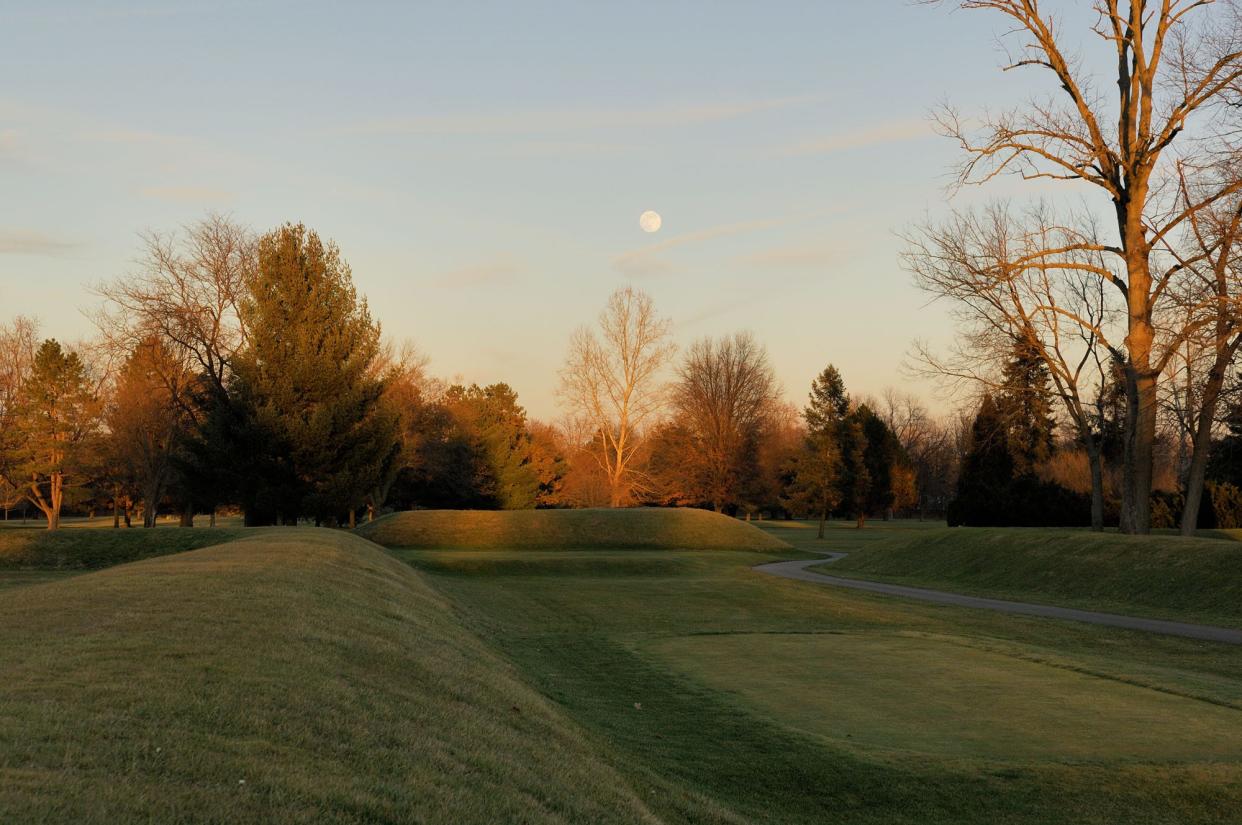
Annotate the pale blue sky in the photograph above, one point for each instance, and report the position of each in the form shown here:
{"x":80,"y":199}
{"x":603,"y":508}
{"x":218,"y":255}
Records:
{"x":483,"y":165}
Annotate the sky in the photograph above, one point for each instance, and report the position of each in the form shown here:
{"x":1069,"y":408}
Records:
{"x":482,"y":166}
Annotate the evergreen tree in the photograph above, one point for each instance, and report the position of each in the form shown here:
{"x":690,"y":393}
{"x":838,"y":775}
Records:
{"x":818,"y":468}
{"x":495,"y":424}
{"x":1025,"y":405}
{"x":987,"y":470}
{"x":56,"y":421}
{"x":305,"y":383}
{"x":882,"y":454}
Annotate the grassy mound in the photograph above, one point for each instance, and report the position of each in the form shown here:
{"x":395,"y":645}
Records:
{"x":289,"y":676}
{"x":1192,"y":579}
{"x":36,"y":548}
{"x":637,"y":529}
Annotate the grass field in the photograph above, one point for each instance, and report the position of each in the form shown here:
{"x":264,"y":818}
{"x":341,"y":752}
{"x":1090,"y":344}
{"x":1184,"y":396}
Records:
{"x":290,"y":676}
{"x":1165,"y":576}
{"x":648,"y":529}
{"x":586,"y":683}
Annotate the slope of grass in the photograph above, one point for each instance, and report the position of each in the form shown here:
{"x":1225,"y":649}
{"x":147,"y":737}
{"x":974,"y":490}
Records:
{"x":39,"y":549}
{"x":1188,"y":579}
{"x":289,"y":676}
{"x":640,"y":529}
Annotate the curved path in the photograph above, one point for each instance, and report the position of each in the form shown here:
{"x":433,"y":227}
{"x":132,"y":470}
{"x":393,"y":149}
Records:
{"x":798,"y":570}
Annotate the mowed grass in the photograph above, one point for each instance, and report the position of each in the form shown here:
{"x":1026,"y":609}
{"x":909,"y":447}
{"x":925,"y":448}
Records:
{"x":732,"y":696}
{"x":1165,"y":576}
{"x":293,"y":675}
{"x":628,"y":529}
{"x":940,"y":696}
{"x":41,"y":549}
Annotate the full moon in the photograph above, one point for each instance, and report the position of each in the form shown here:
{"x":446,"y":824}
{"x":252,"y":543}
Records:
{"x":650,"y":221}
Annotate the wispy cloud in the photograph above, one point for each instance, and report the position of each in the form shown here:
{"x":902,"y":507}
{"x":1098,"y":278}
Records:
{"x":894,"y":132}
{"x":481,"y":274}
{"x":646,"y":261}
{"x":537,"y":121}
{"x":27,"y":242}
{"x":187,"y":194}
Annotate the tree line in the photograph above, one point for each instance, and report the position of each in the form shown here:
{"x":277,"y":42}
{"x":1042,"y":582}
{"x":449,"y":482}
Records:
{"x":241,"y":371}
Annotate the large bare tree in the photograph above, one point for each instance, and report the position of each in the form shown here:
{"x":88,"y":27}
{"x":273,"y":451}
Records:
{"x":612,"y":383}
{"x":1175,"y":64}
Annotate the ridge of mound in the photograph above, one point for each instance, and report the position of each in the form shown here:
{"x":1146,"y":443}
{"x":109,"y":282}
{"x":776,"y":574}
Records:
{"x":294,"y":675}
{"x":86,"y":549}
{"x":645,"y":528}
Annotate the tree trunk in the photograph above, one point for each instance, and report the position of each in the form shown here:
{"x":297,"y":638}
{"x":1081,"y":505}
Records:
{"x":862,"y":520}
{"x":823,"y":517}
{"x":187,"y":516}
{"x":1140,"y":438}
{"x":1203,"y":439}
{"x":352,"y":521}
{"x":1096,"y":463}
{"x":116,"y":513}
{"x":212,"y":521}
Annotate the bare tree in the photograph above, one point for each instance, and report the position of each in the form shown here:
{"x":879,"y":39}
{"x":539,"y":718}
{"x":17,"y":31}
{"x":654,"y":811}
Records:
{"x":928,"y":444}
{"x":187,"y":292}
{"x":725,"y":391}
{"x":1210,"y":309}
{"x":611,"y":381}
{"x":1177,"y":63}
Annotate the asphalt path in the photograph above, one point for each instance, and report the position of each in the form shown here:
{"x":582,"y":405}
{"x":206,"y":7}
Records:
{"x":798,"y":570}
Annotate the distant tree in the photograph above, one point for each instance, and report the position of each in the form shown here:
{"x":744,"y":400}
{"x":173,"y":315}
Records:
{"x":187,"y":291}
{"x":1024,"y":401}
{"x":818,"y":475}
{"x":884,"y":461}
{"x":54,"y":424}
{"x":612,"y":382}
{"x":547,"y":458}
{"x":722,"y":398}
{"x":145,"y":425}
{"x":18,"y":342}
{"x":307,"y":384}
{"x":988,"y":468}
{"x":856,"y":479}
{"x":495,"y":425}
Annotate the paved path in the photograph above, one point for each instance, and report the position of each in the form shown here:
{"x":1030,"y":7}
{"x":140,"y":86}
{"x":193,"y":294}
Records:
{"x":798,"y":570}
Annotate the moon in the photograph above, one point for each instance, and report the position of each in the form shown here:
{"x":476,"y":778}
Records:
{"x":650,"y":221}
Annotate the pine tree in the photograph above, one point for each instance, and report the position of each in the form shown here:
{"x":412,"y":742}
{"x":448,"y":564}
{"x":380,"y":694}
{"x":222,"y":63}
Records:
{"x":987,"y":470}
{"x":56,"y":421}
{"x":1025,"y":405}
{"x":307,"y":381}
{"x":818,"y":469}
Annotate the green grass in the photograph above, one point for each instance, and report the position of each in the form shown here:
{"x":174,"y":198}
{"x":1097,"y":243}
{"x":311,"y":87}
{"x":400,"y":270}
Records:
{"x":291,"y":676}
{"x":737,"y":697}
{"x":938,"y":696}
{"x":84,"y":549}
{"x":583,"y":683}
{"x":1166,"y":576}
{"x":643,"y":528}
